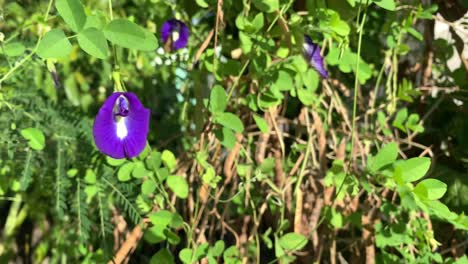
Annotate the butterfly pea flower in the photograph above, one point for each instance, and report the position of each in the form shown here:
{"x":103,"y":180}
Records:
{"x":174,"y":34}
{"x":121,"y":126}
{"x":311,"y":52}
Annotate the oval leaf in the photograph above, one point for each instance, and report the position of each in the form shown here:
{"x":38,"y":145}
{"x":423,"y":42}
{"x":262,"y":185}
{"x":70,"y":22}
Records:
{"x":54,"y":45}
{"x":72,"y":12}
{"x":163,"y":256}
{"x":231,"y":121}
{"x":261,"y":123}
{"x":14,"y":49}
{"x":386,"y":4}
{"x":178,"y":185}
{"x":435,"y":188}
{"x":266,"y":5}
{"x":127,"y":34}
{"x":93,"y":42}
{"x":293,"y":242}
{"x":414,"y":168}
{"x":125,"y":171}
{"x":218,"y":99}
{"x":386,"y":156}
{"x":35,"y":137}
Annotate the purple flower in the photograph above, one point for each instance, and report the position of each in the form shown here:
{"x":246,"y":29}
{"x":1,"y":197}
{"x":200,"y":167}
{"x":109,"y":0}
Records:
{"x":121,"y":126}
{"x":174,"y":34}
{"x":311,"y":53}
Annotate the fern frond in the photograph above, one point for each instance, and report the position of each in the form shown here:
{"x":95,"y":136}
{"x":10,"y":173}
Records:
{"x":60,"y":183}
{"x":81,"y":207}
{"x":26,"y":175}
{"x":124,"y":201}
{"x":101,"y":210}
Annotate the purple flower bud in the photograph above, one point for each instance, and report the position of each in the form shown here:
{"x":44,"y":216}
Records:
{"x":311,"y":52}
{"x":121,"y":126}
{"x":56,"y":79}
{"x":174,"y":34}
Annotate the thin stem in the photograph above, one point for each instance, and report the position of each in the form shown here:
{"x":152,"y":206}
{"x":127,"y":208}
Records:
{"x":29,"y":56}
{"x":356,"y":82}
{"x":236,"y":82}
{"x":286,"y":7}
{"x":306,"y":157}
{"x":6,"y":57}
{"x":111,"y":16}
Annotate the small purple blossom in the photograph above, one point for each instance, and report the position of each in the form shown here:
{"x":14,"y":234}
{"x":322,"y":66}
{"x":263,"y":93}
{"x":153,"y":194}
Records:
{"x":174,"y":34}
{"x":311,"y":53}
{"x":121,"y":126}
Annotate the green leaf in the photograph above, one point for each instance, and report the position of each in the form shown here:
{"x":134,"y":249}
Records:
{"x":169,"y":160}
{"x":226,"y":136}
{"x":161,"y":218}
{"x":267,"y":165}
{"x":261,"y":123}
{"x":90,"y":176}
{"x":139,"y":171}
{"x":230,"y":120}
{"x":129,"y":35}
{"x":93,"y":42}
{"x":153,"y":162}
{"x":413,"y":123}
{"x":435,"y":189}
{"x":163,"y":256}
{"x":293,"y":241}
{"x":336,"y":219}
{"x":115,"y":162}
{"x":339,"y":26}
{"x":13,"y":49}
{"x":400,"y":118}
{"x":162,"y":174}
{"x":202,"y":3}
{"x":386,"y":4}
{"x":178,"y":185}
{"x":246,"y":42}
{"x":284,"y":81}
{"x":185,"y":255}
{"x":386,"y":156}
{"x":416,"y":34}
{"x":155,"y":234}
{"x":258,"y":22}
{"x":218,"y":248}
{"x":201,"y":250}
{"x":218,"y":99}
{"x":124,"y":173}
{"x":414,"y":168}
{"x":72,"y":12}
{"x":95,"y":21}
{"x":35,"y":137}
{"x":54,"y":45}
{"x":266,"y":5}
{"x":231,"y":255}
{"x":148,"y":187}
{"x":72,"y":172}
{"x":306,"y":96}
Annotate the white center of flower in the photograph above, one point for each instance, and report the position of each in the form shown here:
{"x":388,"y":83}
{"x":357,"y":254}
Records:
{"x":175,"y":35}
{"x":121,"y":128}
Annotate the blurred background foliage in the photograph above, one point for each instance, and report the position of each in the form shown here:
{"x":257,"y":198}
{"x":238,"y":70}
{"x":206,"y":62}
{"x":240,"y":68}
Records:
{"x":252,"y":157}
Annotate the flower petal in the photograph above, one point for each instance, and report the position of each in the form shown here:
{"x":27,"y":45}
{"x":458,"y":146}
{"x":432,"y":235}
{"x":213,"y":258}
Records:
{"x":166,"y":30}
{"x":137,"y":124}
{"x":121,"y":137}
{"x":105,"y":130}
{"x":183,"y":33}
{"x":312,"y":55}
